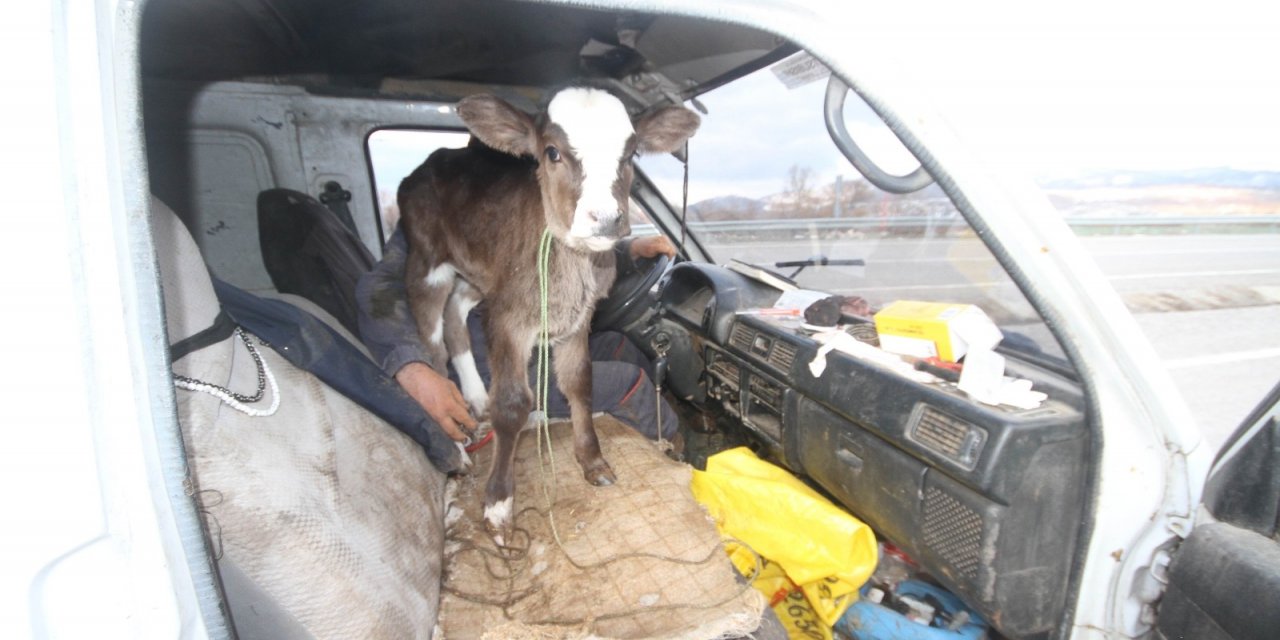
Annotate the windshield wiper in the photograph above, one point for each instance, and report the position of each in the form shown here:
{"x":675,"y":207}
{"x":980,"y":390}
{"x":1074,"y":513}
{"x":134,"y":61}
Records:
{"x":819,"y":261}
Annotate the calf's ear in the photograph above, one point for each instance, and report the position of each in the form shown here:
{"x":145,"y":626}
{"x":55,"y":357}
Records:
{"x":666,"y":129}
{"x":498,"y":124}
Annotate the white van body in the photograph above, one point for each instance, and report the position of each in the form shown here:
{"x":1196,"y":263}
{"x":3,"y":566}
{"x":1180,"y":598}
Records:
{"x":100,"y":541}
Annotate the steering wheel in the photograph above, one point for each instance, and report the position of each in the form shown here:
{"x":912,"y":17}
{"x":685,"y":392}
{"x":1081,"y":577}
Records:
{"x":628,"y":298}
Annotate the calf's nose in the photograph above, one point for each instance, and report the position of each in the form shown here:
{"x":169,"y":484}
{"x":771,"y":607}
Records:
{"x":608,"y":223}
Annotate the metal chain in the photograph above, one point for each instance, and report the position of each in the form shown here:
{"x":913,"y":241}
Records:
{"x":237,"y":401}
{"x":257,"y":362}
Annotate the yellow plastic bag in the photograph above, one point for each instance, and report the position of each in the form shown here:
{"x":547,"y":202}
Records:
{"x":785,"y":598}
{"x":820,"y":547}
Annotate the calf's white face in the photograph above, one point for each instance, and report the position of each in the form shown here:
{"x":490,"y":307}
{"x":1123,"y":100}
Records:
{"x":599,"y":136}
{"x":583,"y":144}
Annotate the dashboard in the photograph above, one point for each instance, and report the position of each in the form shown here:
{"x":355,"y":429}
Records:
{"x":987,"y":498}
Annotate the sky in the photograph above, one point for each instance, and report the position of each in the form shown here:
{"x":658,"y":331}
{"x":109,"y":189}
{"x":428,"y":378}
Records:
{"x":395,"y":154}
{"x":1070,"y":86}
{"x":1048,"y":93}
{"x":756,"y":129}
{"x":1045,"y":91}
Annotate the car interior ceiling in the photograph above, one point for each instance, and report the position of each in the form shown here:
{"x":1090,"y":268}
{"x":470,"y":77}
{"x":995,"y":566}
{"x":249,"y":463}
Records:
{"x":367,"y":47}
{"x":989,"y":500}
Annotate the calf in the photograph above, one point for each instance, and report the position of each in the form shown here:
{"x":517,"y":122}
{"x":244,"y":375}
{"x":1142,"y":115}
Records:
{"x":474,"y":218}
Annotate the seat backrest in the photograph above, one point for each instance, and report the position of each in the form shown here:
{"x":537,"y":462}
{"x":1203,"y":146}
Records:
{"x":309,"y":252}
{"x":327,"y":521}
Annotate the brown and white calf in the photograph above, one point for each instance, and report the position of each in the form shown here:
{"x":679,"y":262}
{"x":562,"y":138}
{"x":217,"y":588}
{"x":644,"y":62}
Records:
{"x":474,"y":218}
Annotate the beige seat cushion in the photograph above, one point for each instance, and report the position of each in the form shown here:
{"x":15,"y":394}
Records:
{"x":328,"y":522}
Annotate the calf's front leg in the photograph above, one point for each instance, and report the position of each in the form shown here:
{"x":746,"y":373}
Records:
{"x":509,"y":403}
{"x":573,"y":373}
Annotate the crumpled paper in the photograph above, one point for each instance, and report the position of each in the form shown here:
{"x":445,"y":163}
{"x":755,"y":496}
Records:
{"x":982,"y":376}
{"x":837,"y":339}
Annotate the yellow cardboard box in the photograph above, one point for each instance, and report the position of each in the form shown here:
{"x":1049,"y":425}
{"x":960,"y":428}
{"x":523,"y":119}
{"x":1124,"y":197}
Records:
{"x":926,"y":329}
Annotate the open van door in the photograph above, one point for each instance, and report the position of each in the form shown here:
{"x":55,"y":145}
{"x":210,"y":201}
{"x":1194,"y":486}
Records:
{"x":1224,"y":580}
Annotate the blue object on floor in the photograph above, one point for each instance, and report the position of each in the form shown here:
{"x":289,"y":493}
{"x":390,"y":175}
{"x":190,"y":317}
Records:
{"x":866,"y":620}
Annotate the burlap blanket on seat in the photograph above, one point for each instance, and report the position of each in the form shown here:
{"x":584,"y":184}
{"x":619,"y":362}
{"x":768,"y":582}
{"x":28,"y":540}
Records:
{"x":639,"y":559}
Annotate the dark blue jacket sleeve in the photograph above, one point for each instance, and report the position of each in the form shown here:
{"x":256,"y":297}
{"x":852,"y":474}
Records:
{"x":386,"y":324}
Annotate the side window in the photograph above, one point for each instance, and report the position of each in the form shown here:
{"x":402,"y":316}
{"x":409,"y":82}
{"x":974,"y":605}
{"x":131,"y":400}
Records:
{"x":395,"y":153}
{"x":768,"y":186}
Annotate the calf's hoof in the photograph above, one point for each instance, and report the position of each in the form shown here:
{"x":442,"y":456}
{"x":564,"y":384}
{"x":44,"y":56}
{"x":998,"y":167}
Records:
{"x":599,"y":474}
{"x":499,"y":521}
{"x":464,"y":459}
{"x":478,"y":402}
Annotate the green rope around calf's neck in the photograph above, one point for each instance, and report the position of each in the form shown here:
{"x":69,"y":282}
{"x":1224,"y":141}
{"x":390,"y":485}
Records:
{"x":544,"y":332}
{"x":544,"y":364}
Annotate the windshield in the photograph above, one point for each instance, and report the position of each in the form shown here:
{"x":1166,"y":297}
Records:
{"x":768,"y":186}
{"x":1186,"y":233}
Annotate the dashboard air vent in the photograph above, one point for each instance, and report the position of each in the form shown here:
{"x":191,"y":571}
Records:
{"x":784,"y":353}
{"x":742,"y":337}
{"x":950,"y":437}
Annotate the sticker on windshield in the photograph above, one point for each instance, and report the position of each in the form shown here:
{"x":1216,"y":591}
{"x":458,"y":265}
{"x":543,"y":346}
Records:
{"x":799,"y":70}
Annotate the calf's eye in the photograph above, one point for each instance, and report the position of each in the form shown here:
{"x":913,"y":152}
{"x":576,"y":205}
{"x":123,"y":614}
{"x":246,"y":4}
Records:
{"x":553,"y":154}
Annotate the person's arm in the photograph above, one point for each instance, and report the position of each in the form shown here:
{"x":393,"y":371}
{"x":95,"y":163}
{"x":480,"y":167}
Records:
{"x":389,"y":331}
{"x":629,"y":250}
{"x":439,"y":397}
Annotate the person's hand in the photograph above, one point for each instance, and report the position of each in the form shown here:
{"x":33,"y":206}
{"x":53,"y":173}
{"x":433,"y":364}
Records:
{"x":651,"y":246}
{"x":439,"y":397}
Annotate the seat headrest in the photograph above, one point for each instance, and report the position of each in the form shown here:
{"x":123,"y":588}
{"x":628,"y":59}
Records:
{"x":189,"y":302}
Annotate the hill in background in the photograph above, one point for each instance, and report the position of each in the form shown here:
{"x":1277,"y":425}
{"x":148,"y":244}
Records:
{"x":1198,"y":192}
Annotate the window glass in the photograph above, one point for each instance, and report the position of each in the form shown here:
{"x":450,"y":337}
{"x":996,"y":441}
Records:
{"x":394,"y":154}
